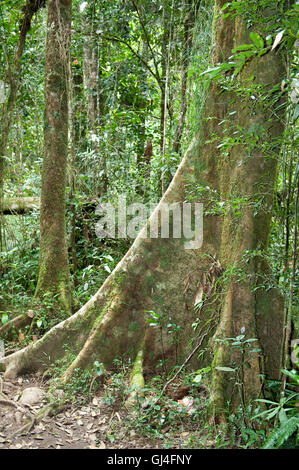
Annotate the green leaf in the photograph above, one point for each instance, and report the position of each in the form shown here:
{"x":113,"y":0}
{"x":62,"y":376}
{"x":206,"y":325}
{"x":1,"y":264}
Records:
{"x":292,"y":373}
{"x":4,"y":318}
{"x":106,"y":267}
{"x":282,"y":416}
{"x":262,"y":400}
{"x":238,"y":338}
{"x":272,"y":413}
{"x":197,"y":378}
{"x":257,"y":39}
{"x":243,"y":47}
{"x":296,"y":113}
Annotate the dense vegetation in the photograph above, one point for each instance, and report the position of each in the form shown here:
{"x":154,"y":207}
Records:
{"x":137,"y":82}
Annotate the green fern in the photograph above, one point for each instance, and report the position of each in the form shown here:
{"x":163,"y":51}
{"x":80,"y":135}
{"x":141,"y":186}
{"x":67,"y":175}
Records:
{"x":280,"y":435}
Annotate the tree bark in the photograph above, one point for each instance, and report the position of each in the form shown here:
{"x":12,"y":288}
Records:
{"x":54,"y":269}
{"x":160,"y":274}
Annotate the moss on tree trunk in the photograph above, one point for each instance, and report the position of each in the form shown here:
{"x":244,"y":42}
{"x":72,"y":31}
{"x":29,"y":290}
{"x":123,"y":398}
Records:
{"x":54,"y":269}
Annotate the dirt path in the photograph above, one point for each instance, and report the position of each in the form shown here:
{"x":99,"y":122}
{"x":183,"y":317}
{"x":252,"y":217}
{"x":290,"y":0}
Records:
{"x":91,"y":425}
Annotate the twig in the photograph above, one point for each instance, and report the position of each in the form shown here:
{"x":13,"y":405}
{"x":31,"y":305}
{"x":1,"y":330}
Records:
{"x":114,"y":38}
{"x":6,"y":401}
{"x":185,"y":362}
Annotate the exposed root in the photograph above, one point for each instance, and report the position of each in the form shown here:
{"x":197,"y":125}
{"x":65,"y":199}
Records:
{"x":39,"y":355}
{"x":16,"y":323}
{"x":114,"y":318}
{"x":137,"y":381}
{"x":6,"y":402}
{"x":49,"y":410}
{"x":26,"y":428}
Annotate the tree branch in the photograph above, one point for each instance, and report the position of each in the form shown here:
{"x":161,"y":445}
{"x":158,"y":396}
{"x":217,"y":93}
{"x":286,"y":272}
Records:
{"x":154,"y":74}
{"x":147,"y":38}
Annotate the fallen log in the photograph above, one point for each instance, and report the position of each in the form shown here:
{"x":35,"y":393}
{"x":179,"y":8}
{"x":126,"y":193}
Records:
{"x":25,"y":205}
{"x":18,"y":206}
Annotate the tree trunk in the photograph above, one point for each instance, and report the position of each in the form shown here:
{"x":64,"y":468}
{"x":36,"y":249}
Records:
{"x":161,"y":275}
{"x":94,"y":96}
{"x":54,"y":269}
{"x":163,"y":97}
{"x":186,"y":51}
{"x":144,"y":148}
{"x":13,"y":75}
{"x":91,"y":72}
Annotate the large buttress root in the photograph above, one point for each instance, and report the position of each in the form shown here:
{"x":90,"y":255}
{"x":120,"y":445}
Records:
{"x":40,"y":354}
{"x":156,"y":274}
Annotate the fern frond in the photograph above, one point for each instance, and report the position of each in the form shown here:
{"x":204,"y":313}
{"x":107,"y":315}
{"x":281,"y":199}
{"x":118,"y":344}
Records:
{"x":282,"y":434}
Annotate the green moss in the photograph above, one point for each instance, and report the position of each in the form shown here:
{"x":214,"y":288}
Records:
{"x":150,"y":281}
{"x":137,"y":379}
{"x":102,"y":313}
{"x":134,"y":326}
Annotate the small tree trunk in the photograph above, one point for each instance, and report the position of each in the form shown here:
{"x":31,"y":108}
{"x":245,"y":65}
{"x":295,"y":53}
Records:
{"x":91,"y":70}
{"x":163,"y":97}
{"x":54,"y":269}
{"x":186,"y":51}
{"x":94,"y":97}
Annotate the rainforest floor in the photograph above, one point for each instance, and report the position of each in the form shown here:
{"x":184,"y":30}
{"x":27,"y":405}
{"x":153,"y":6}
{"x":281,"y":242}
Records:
{"x":99,"y":421}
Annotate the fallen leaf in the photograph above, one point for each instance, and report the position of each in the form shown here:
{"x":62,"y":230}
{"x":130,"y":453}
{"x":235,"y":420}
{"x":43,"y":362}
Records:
{"x":277,"y":40}
{"x":21,"y":337}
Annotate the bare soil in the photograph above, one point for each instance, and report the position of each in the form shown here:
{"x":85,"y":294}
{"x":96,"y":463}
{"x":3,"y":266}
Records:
{"x":92,"y":424}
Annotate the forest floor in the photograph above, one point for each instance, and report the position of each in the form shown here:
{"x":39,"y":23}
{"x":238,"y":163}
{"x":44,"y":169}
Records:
{"x":82,"y":424}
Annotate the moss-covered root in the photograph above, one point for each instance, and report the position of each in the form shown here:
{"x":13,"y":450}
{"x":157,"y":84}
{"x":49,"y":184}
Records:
{"x":69,"y":334}
{"x":243,"y":382}
{"x":137,"y":381}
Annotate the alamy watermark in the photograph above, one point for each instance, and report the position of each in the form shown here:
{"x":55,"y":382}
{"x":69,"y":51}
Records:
{"x":175,"y":220}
